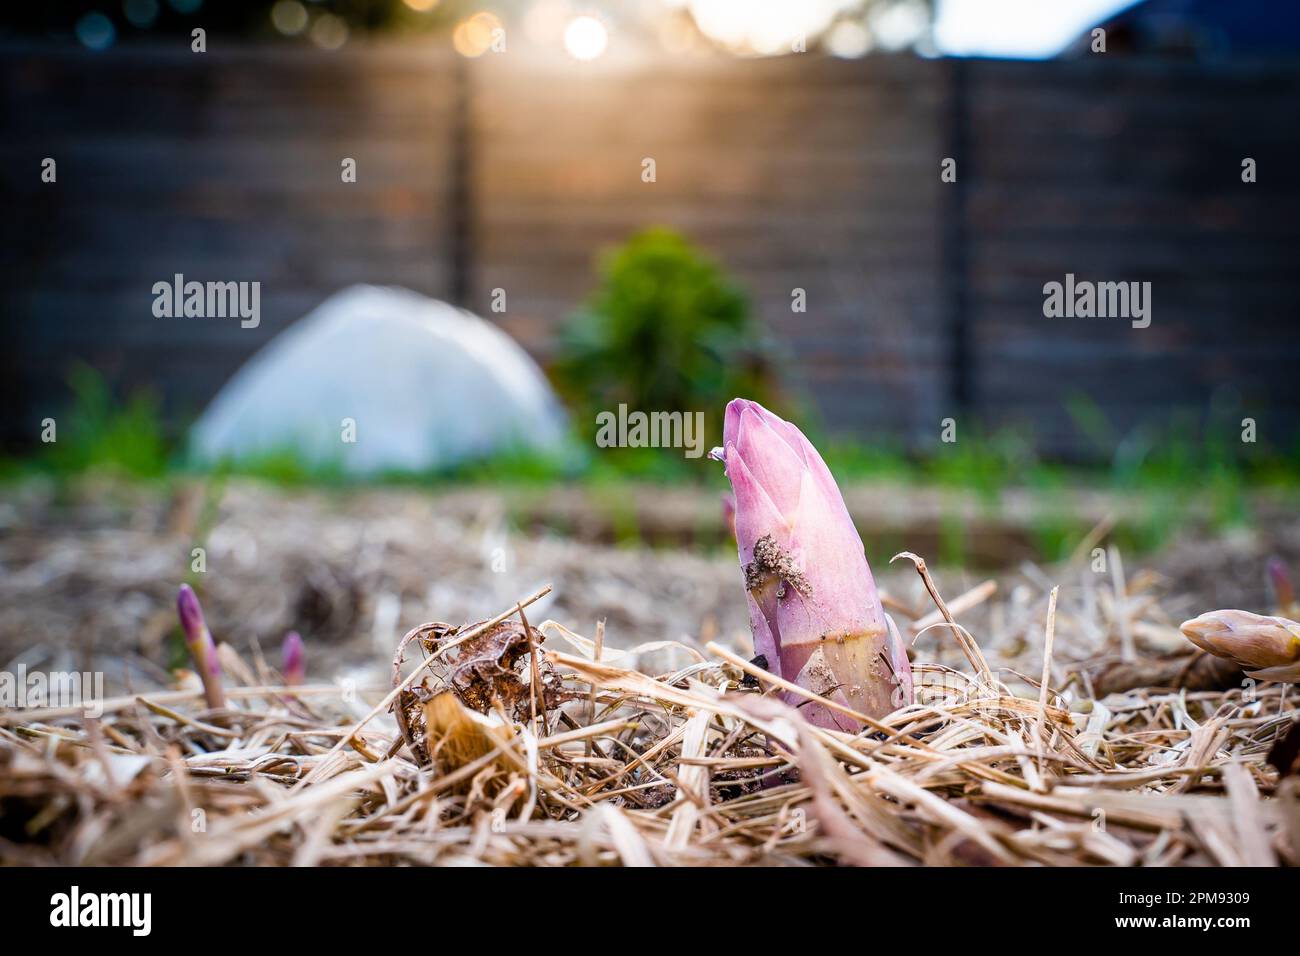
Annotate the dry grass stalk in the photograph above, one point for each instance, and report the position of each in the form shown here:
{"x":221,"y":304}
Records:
{"x":693,"y":766}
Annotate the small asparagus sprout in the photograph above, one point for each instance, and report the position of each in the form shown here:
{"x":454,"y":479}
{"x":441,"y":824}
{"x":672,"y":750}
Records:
{"x":813,"y":605}
{"x":202,"y":648}
{"x":1283,"y":591}
{"x":293,"y":659}
{"x":1267,"y":648}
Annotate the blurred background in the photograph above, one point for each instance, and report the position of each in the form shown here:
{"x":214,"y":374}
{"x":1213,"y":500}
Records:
{"x":664,"y":203}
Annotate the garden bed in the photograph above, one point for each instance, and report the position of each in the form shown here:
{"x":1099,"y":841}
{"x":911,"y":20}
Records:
{"x":670,"y":749}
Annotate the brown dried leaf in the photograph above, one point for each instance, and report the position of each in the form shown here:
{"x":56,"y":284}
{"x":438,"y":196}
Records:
{"x":494,"y":666}
{"x":491,"y":667}
{"x":1194,"y":672}
{"x":457,"y":736}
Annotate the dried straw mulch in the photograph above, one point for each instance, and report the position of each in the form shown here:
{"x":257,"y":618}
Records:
{"x":504,"y":744}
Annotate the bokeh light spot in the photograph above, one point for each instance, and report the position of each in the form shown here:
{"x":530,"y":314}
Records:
{"x":96,"y":31}
{"x":848,"y":39}
{"x":329,"y":32}
{"x":140,"y":13}
{"x":289,"y":17}
{"x":585,"y":38}
{"x":473,"y":35}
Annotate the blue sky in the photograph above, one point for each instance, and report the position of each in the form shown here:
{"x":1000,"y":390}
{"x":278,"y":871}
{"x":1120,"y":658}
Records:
{"x":1016,"y":28}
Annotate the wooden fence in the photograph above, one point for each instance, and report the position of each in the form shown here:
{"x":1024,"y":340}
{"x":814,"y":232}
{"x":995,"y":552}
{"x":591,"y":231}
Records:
{"x":924,"y":297}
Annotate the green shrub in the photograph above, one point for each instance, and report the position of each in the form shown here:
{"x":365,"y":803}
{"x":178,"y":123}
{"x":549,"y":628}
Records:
{"x":666,"y":330}
{"x":98,"y":432}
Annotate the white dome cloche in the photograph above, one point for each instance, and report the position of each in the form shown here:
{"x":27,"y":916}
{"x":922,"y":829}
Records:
{"x":427,"y":385}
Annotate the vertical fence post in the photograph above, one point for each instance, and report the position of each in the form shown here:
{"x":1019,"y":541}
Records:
{"x":953,"y":259}
{"x":460,"y":221}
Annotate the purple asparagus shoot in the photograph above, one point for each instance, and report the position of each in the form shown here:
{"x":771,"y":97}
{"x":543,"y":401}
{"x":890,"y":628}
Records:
{"x":1283,"y":591}
{"x":201,"y":646}
{"x":813,"y":605}
{"x":293,"y":656}
{"x":1265,"y":647}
